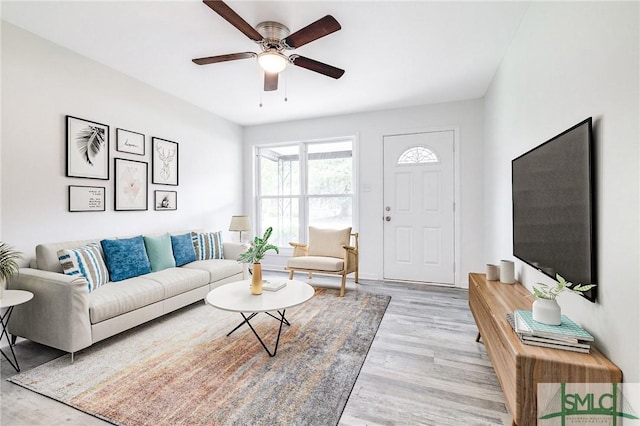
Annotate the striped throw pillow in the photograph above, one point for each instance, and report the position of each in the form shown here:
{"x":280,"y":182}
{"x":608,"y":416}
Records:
{"x":208,"y":245}
{"x":85,"y":261}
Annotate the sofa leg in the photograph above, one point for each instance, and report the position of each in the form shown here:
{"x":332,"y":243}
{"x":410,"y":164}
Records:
{"x":13,"y":339}
{"x":291,"y":274}
{"x":343,"y":285}
{"x":72,"y":353}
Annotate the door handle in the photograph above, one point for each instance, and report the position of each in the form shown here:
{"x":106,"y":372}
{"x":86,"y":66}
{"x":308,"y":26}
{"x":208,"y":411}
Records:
{"x":388,"y":218}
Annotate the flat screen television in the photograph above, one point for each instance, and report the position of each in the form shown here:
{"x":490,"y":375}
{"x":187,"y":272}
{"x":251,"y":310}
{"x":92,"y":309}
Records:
{"x":554,"y":227}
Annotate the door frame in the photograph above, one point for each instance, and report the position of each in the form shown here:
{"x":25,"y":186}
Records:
{"x":456,"y":195}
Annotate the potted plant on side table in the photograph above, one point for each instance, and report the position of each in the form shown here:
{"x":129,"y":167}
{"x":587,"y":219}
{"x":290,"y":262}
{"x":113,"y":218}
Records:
{"x":254,"y":254}
{"x":545,"y":308}
{"x":8,"y":264}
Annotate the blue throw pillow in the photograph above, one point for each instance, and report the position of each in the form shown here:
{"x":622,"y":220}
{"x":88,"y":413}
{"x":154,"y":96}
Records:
{"x":183,"y":251}
{"x":126,"y":258}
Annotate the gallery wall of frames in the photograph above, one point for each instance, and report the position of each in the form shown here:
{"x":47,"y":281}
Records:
{"x":88,"y":156}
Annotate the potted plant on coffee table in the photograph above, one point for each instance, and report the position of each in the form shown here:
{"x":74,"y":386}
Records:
{"x":8,"y":264}
{"x":545,"y":308}
{"x":254,"y":254}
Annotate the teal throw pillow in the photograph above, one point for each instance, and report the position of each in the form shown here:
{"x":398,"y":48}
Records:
{"x":126,"y":258}
{"x":159,"y":252}
{"x":183,"y":251}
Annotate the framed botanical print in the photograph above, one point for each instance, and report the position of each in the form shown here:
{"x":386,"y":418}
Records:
{"x":128,"y":141}
{"x":164,"y":162}
{"x":131,"y":184}
{"x":165,"y":200}
{"x":86,"y":198}
{"x":87,"y":149}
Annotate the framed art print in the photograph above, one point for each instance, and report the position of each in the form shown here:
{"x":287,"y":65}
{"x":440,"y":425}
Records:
{"x":87,"y":149}
{"x":131,"y":184}
{"x":165,"y":200}
{"x":128,"y":141}
{"x":164,"y":162}
{"x":86,"y":198}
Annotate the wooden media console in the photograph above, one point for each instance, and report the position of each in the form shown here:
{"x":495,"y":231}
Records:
{"x":521,"y":367}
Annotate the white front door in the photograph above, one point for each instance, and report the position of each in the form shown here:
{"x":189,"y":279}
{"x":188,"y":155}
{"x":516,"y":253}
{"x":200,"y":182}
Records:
{"x":419,"y":207}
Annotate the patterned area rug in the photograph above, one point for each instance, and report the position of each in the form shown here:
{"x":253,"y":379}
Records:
{"x":183,"y":370}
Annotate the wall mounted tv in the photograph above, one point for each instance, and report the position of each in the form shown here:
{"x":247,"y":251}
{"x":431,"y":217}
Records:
{"x":554,"y":207}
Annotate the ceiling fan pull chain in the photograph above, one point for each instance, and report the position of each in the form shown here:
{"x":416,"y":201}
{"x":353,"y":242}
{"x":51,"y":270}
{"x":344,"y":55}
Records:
{"x":260,"y":80}
{"x":286,"y":84}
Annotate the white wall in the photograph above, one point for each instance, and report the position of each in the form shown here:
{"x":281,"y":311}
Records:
{"x":41,"y":83}
{"x":369,"y":128}
{"x":567,"y":62}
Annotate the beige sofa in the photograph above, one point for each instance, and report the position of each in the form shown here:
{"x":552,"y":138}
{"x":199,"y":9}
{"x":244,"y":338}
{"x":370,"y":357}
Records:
{"x":63,"y":313}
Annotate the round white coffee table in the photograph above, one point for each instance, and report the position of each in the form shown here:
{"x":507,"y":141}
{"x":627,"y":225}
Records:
{"x":8,"y":300}
{"x":237,"y":297}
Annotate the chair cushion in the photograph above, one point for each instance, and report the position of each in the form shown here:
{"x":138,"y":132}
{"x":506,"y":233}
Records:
{"x":328,"y":242}
{"x":319,"y":263}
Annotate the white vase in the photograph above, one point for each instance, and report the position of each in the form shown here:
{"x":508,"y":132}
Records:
{"x":547,"y":311}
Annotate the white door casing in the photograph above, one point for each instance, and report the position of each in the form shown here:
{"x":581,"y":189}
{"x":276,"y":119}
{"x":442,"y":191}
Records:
{"x":419,"y":216}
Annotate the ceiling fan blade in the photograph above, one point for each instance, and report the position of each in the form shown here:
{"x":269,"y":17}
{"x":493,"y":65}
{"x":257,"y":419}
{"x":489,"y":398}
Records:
{"x":316,"y":66}
{"x":270,"y":81}
{"x":224,"y":58}
{"x":320,"y":28}
{"x":233,"y":18}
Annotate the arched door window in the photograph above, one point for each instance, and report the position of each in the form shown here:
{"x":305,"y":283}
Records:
{"x":418,"y":155}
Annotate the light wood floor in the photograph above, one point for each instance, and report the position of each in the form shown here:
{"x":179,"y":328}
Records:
{"x":424,"y":368}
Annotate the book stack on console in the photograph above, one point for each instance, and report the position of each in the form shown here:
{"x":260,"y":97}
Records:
{"x":567,"y":336}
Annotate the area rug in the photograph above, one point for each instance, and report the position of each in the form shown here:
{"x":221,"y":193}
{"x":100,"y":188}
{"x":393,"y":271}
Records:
{"x":182,"y":370}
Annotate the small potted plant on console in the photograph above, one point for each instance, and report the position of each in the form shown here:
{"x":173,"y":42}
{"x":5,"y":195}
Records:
{"x":545,"y":308}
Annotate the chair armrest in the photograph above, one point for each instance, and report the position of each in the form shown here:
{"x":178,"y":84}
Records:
{"x":58,"y":314}
{"x":349,"y":248}
{"x":233,"y":250}
{"x":299,"y":249}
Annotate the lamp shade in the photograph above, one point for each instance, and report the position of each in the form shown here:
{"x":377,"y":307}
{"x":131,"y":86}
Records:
{"x":240,"y":223}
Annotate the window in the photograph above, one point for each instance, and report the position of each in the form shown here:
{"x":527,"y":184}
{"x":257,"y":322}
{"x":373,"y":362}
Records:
{"x":418,"y":155}
{"x":304,"y":184}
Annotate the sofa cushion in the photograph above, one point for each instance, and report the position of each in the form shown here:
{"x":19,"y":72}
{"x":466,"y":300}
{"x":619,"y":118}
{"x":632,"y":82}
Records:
{"x":179,"y":280}
{"x":328,"y":242}
{"x":118,"y":298}
{"x":183,"y":250}
{"x":218,"y":269}
{"x":85,"y":261}
{"x":208,"y":245}
{"x":126,"y":258}
{"x":320,"y":263}
{"x":159,"y":252}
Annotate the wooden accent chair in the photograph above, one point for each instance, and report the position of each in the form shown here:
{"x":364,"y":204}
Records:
{"x":329,"y":252}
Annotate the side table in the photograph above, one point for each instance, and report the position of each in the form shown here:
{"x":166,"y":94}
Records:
{"x":8,"y":300}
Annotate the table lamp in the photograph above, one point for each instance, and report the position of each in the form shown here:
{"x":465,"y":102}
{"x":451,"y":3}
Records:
{"x":240,"y":223}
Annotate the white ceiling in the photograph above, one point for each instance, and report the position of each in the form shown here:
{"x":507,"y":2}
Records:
{"x":396,"y":54}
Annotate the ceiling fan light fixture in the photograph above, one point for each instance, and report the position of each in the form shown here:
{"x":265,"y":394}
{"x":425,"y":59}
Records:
{"x":272,"y":61}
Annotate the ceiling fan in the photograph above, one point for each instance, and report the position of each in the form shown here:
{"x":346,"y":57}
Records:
{"x":274,"y":38}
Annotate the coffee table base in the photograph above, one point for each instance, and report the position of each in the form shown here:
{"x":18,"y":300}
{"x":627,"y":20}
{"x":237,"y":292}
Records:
{"x":5,"y":322}
{"x":247,"y":319}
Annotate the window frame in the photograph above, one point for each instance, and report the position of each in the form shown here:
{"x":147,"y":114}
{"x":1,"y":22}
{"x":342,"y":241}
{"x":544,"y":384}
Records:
{"x":303,"y":196}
